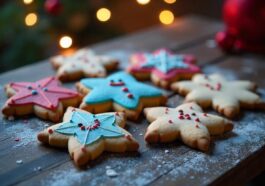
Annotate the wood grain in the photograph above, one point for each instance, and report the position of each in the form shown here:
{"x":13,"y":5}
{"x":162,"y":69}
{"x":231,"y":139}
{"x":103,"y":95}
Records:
{"x":231,"y":155}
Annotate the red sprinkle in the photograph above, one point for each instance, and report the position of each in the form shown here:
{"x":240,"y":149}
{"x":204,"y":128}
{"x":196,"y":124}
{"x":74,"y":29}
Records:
{"x":170,"y":121}
{"x":197,"y":126}
{"x":125,"y":89}
{"x":130,"y":96}
{"x":50,"y":131}
{"x":83,"y":149}
{"x":188,"y":118}
{"x":205,"y":114}
{"x":83,"y":127}
{"x":187,"y":115}
{"x":128,"y":137}
{"x":17,"y":139}
{"x":181,"y":117}
{"x":197,"y":120}
{"x":218,"y":86}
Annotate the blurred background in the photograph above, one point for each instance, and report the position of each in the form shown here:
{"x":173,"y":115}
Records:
{"x":32,"y":30}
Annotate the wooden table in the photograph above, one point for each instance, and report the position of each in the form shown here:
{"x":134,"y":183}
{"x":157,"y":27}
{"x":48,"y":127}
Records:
{"x":234,"y":158}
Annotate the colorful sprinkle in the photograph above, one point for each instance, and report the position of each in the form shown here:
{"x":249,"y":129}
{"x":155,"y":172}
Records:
{"x":34,"y":92}
{"x":125,"y":89}
{"x":50,"y":131}
{"x":170,"y":121}
{"x":193,"y":114}
{"x":80,"y":124}
{"x":83,"y":128}
{"x":45,"y":89}
{"x":130,"y":96}
{"x":83,"y":149}
{"x":181,"y":117}
{"x":197,"y":120}
{"x":205,"y":114}
{"x":128,"y":137}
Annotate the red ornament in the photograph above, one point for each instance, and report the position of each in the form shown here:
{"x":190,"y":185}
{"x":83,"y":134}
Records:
{"x":53,"y":7}
{"x":245,"y":26}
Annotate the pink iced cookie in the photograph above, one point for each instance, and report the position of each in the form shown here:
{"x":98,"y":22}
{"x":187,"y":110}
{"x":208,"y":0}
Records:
{"x":163,"y":67}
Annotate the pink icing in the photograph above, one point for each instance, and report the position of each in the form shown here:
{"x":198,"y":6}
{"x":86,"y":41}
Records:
{"x":44,"y":93}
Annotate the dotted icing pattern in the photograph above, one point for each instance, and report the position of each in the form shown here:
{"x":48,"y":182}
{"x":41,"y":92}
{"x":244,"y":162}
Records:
{"x":45,"y":93}
{"x":121,"y":88}
{"x":88,"y":128}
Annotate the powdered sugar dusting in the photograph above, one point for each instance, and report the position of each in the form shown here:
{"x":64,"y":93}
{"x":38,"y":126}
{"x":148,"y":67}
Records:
{"x":25,"y":135}
{"x":227,"y":151}
{"x":69,"y":177}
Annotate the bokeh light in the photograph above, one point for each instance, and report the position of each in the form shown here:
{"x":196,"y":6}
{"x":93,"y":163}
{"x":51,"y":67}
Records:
{"x":27,"y":1}
{"x":166,"y":17}
{"x":31,"y":19}
{"x":170,"y":1}
{"x":66,"y":42}
{"x":103,"y":14}
{"x":143,"y":2}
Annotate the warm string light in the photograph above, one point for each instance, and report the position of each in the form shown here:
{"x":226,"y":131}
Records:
{"x":31,"y":19}
{"x":166,"y":17}
{"x":65,"y":42}
{"x":103,"y":14}
{"x":170,"y":1}
{"x":27,"y":2}
{"x":143,"y":2}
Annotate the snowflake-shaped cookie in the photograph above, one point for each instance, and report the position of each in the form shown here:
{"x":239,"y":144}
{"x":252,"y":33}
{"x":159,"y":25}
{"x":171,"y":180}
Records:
{"x":88,"y":135}
{"x":45,"y":98}
{"x":186,"y":122}
{"x":163,"y":67}
{"x":224,"y":96}
{"x":119,"y":92}
{"x":84,"y":63}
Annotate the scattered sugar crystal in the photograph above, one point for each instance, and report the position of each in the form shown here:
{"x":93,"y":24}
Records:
{"x":111,"y":173}
{"x":19,"y":161}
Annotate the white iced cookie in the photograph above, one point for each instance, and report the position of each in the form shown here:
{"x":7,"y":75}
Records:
{"x":186,"y":122}
{"x":84,"y":63}
{"x":224,"y":96}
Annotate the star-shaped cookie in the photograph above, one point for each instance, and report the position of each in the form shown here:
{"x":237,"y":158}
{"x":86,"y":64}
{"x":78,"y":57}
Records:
{"x":45,"y":98}
{"x":84,"y":63}
{"x":87,"y":135}
{"x":224,"y":96}
{"x":163,"y":67}
{"x":119,"y":92}
{"x":186,"y":122}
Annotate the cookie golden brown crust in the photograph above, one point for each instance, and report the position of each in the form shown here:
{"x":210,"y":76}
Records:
{"x":226,"y":97}
{"x":186,"y":122}
{"x":87,"y":136}
{"x":84,"y":63}
{"x":44,"y":98}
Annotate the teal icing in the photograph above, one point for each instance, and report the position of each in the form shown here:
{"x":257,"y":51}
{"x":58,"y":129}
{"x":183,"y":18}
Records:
{"x":102,"y":91}
{"x":81,"y":123}
{"x":164,"y":61}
